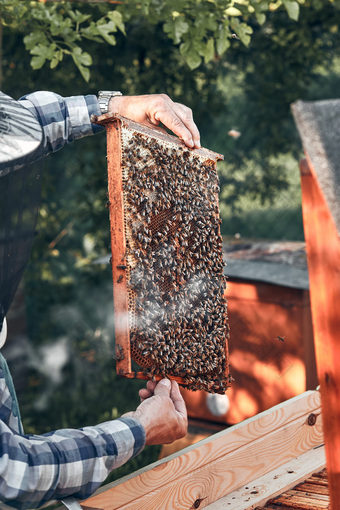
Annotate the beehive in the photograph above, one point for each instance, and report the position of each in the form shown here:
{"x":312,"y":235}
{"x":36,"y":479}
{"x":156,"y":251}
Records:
{"x":167,"y":265}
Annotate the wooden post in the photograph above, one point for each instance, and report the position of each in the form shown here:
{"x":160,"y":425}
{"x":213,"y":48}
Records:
{"x":323,"y":252}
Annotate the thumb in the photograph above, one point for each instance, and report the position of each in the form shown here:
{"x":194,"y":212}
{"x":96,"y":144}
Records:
{"x":163,"y":388}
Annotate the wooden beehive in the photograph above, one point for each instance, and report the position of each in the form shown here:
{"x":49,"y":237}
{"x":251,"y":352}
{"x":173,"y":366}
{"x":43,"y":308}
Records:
{"x":167,"y":264}
{"x":319,"y":128}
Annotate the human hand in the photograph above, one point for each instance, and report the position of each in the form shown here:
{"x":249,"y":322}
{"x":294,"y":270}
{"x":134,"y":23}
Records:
{"x":162,"y":412}
{"x":151,"y":109}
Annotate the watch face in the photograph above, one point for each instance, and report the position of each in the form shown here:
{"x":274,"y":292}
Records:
{"x":20,"y":133}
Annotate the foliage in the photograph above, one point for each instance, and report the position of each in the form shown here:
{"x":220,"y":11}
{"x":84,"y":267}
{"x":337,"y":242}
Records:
{"x":57,"y":30}
{"x":202,"y":30}
{"x":283,"y":64}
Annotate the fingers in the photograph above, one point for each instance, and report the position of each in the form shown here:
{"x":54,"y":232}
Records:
{"x":151,"y":109}
{"x":163,"y":388}
{"x":186,"y":116}
{"x":151,"y":385}
{"x":177,"y":399}
{"x":172,"y":116}
{"x":144,"y":394}
{"x":147,"y":392}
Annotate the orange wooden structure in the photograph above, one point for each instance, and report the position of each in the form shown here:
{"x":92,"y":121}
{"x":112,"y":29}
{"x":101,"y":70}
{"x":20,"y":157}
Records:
{"x":319,"y":127}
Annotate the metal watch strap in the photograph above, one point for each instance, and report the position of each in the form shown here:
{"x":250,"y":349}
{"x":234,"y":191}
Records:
{"x":104,"y":97}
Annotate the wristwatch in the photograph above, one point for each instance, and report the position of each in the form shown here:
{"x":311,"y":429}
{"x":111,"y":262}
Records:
{"x":104,"y":97}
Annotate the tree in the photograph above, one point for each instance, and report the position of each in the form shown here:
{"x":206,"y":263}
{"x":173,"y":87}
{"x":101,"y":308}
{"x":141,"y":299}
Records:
{"x":202,"y":30}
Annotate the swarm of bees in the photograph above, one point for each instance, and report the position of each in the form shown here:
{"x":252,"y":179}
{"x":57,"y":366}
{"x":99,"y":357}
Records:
{"x":177,"y":310}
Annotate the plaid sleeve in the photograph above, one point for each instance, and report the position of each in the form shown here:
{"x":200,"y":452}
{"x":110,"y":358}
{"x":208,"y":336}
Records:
{"x":63,"y":119}
{"x":69,"y":462}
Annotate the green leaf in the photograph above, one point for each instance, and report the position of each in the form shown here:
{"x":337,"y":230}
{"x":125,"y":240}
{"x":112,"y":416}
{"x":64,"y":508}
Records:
{"x":91,"y":33}
{"x":61,"y":26}
{"x":233,"y":11}
{"x":58,"y":57}
{"x":222,"y":43}
{"x":261,"y":18}
{"x":181,"y":27}
{"x":81,"y":57}
{"x":242,"y":30}
{"x":84,"y":72}
{"x":292,"y":8}
{"x":42,"y":53}
{"x":54,"y":63}
{"x":86,"y":59}
{"x":38,"y":61}
{"x":77,"y":16}
{"x":190,"y":54}
{"x":117,"y":19}
{"x":210,"y":21}
{"x":105,"y":29}
{"x":34,"y":38}
{"x":209,"y":51}
{"x":175,"y":28}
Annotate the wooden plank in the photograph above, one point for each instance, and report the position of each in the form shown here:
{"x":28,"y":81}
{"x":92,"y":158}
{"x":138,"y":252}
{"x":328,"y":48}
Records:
{"x":323,"y":253}
{"x":313,"y":487}
{"x":204,"y":472}
{"x":273,"y":483}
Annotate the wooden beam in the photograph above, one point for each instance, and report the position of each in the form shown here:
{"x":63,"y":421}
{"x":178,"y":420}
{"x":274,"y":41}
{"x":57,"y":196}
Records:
{"x":210,"y":469}
{"x":323,"y":252}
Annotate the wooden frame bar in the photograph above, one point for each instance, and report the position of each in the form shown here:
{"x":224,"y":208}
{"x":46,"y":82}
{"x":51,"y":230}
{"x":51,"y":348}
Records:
{"x":203,"y":473}
{"x":118,"y":248}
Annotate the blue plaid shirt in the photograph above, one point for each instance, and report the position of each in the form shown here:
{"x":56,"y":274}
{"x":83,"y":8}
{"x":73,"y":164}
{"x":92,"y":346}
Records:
{"x":63,"y":119}
{"x":68,"y":462}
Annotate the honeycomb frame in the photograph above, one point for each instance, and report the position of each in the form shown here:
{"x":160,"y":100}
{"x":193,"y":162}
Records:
{"x":123,"y":136}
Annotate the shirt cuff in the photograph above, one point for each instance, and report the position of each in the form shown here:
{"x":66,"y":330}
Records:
{"x":80,"y":109}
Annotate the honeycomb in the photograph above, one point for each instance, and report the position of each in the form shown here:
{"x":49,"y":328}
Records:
{"x":177,"y":317}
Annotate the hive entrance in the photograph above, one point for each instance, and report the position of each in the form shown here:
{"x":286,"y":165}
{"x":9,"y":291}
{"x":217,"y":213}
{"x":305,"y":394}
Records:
{"x":170,"y":313}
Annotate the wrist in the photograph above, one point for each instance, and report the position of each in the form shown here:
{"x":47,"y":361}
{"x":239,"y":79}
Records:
{"x":116,"y":104}
{"x":143,"y":420}
{"x":104,"y":98}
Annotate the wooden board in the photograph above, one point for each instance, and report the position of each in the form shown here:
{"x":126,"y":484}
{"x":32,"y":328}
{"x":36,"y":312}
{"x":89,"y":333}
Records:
{"x":212,"y":468}
{"x":257,"y":492}
{"x":323,"y":253}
